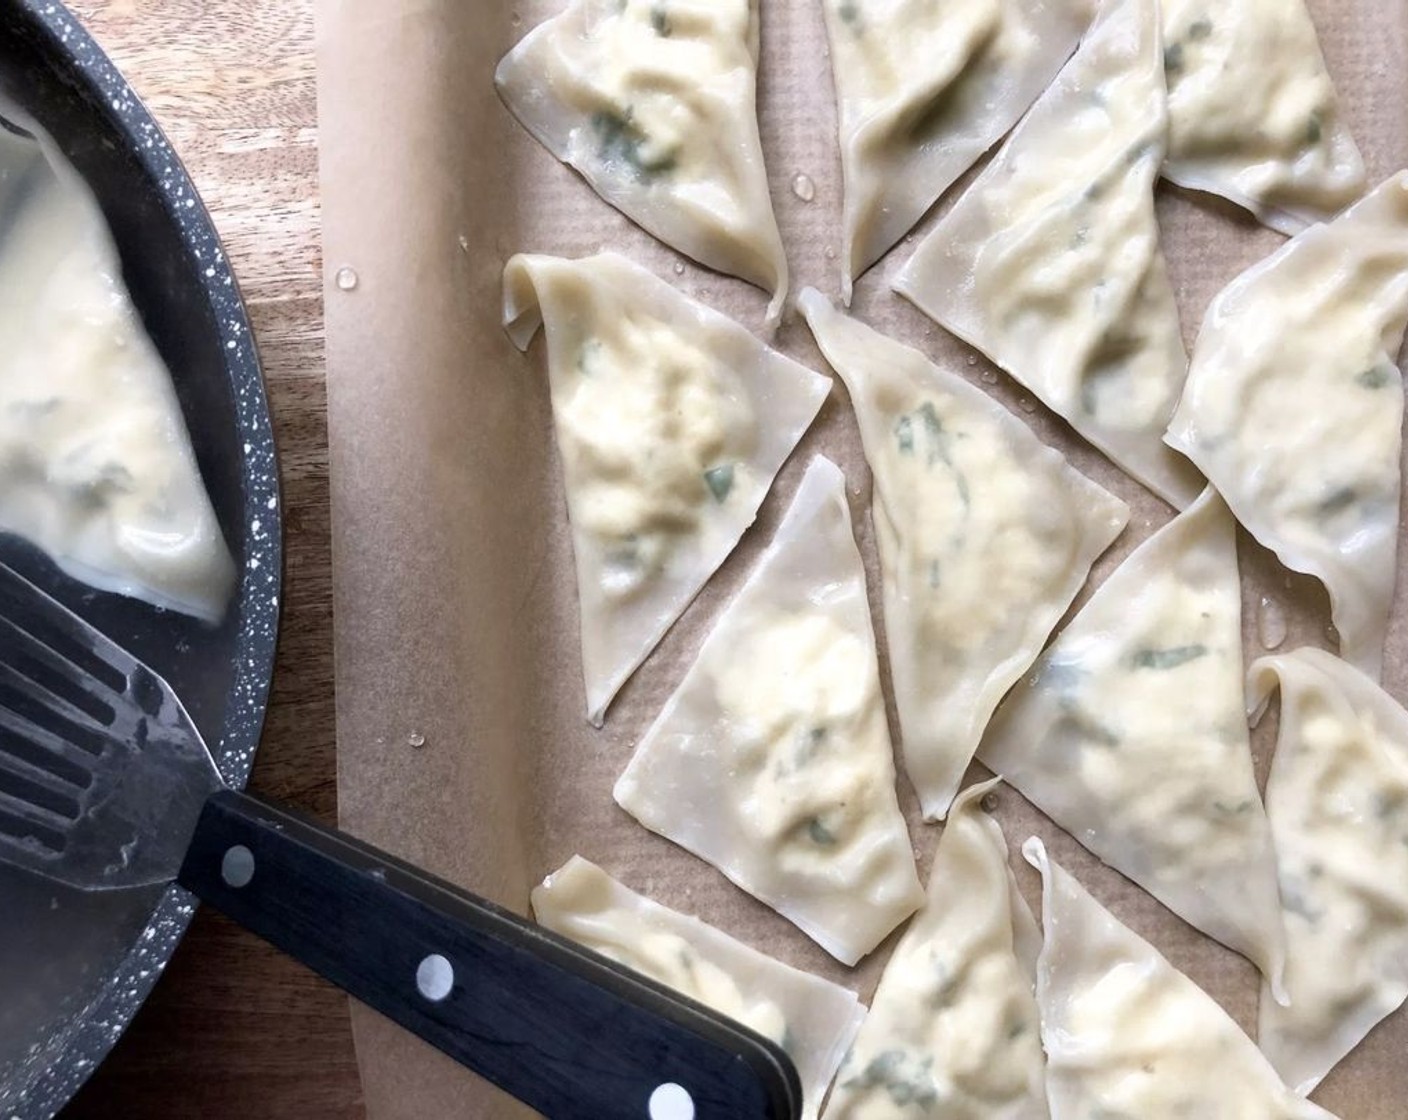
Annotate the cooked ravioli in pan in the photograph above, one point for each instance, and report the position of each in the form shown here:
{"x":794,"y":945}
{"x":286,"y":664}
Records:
{"x":985,"y":536}
{"x":96,"y":463}
{"x":1253,"y":114}
{"x":925,"y":87}
{"x":1050,"y":263}
{"x":672,"y":422}
{"x":810,"y":1018}
{"x":772,"y":760}
{"x":1128,"y":1036}
{"x":653,"y":102}
{"x":1294,"y":407}
{"x":1131,"y":734}
{"x":1337,"y":798}
{"x":952,"y":1030}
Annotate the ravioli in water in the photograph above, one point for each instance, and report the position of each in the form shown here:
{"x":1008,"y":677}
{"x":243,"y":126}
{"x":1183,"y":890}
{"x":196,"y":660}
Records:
{"x":1252,"y":113}
{"x":653,"y":102}
{"x":96,"y":464}
{"x":810,"y":1018}
{"x":952,"y":1030}
{"x":672,"y":422}
{"x":985,"y":535}
{"x":923,"y":90}
{"x":1338,"y":802}
{"x":1130,"y":734}
{"x":1294,"y":407}
{"x":1128,"y":1036}
{"x":1051,"y":264}
{"x":772,"y":760}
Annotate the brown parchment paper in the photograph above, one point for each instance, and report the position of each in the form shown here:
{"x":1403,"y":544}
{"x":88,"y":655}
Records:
{"x":456,"y":614}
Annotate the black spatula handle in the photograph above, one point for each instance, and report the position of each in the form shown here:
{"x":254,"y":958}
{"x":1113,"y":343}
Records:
{"x":563,"y":1029}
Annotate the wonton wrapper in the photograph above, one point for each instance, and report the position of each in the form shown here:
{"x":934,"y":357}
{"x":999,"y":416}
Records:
{"x":772,"y":760}
{"x":1128,"y":1036}
{"x":1130,"y":733}
{"x":1294,"y":407}
{"x":952,"y":1029}
{"x":812,"y":1019}
{"x":96,"y":464}
{"x":1050,"y":263}
{"x":653,"y":102}
{"x":672,"y":422}
{"x":1338,"y":802}
{"x":1252,"y":113}
{"x":923,"y":89}
{"x":985,"y":536}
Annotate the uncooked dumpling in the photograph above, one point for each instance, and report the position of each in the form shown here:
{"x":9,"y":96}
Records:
{"x":1128,"y":1036}
{"x":923,"y":88}
{"x":1338,"y":802}
{"x":1051,"y":265}
{"x":985,"y":536}
{"x":653,"y":102}
{"x":1294,"y":407}
{"x":1130,"y":734}
{"x":952,"y":1030}
{"x":772,"y":760}
{"x":672,"y":421}
{"x":1252,"y":113}
{"x":96,"y":464}
{"x":810,"y":1018}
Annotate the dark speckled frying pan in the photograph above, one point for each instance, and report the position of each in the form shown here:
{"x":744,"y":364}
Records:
{"x":75,"y":967}
{"x":563,"y":1029}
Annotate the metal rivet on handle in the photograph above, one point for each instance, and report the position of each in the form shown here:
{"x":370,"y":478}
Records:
{"x":435,"y":977}
{"x":237,"y":867}
{"x":671,"y":1102}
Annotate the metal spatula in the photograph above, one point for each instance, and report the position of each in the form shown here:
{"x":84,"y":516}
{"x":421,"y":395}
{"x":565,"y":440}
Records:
{"x":105,"y":784}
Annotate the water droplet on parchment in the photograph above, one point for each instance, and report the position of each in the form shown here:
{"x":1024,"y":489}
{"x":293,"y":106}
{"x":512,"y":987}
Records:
{"x":803,"y":187}
{"x":346,"y":279}
{"x":679,"y":268}
{"x":829,"y":253}
{"x":1026,"y":404}
{"x":1270,"y":623}
{"x":972,"y":359}
{"x":416,"y":739}
{"x":989,"y":377}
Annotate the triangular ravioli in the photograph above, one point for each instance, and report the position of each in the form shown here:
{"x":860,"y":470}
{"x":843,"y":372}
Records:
{"x":653,"y":102}
{"x":1252,"y":112}
{"x":1338,"y":802}
{"x":1128,"y":1036}
{"x":810,"y":1018}
{"x":672,"y":422}
{"x":1294,"y":407}
{"x":923,"y":89}
{"x":1051,"y":265}
{"x":952,"y":1029}
{"x":1130,"y":734}
{"x":985,"y":536}
{"x":96,"y":464}
{"x":772,"y":760}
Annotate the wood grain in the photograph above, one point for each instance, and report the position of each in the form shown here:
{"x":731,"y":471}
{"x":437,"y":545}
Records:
{"x":234,"y":1029}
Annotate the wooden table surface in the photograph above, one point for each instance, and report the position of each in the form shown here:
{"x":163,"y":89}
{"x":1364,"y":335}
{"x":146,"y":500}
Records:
{"x":235,"y":1030}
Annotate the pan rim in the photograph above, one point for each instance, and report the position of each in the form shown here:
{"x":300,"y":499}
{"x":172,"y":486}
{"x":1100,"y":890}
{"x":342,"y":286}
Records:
{"x":259,"y":594}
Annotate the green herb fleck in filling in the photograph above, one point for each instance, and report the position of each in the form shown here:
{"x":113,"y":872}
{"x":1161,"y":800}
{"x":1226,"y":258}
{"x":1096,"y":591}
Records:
{"x":720,"y":481}
{"x":1338,"y":501}
{"x":620,"y":141}
{"x":1376,"y":377}
{"x":1200,"y":29}
{"x":887,"y":1070}
{"x":819,"y":834}
{"x":1173,"y":58}
{"x":1314,"y":128}
{"x":1170,"y":658}
{"x":660,"y":19}
{"x":849,"y":11}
